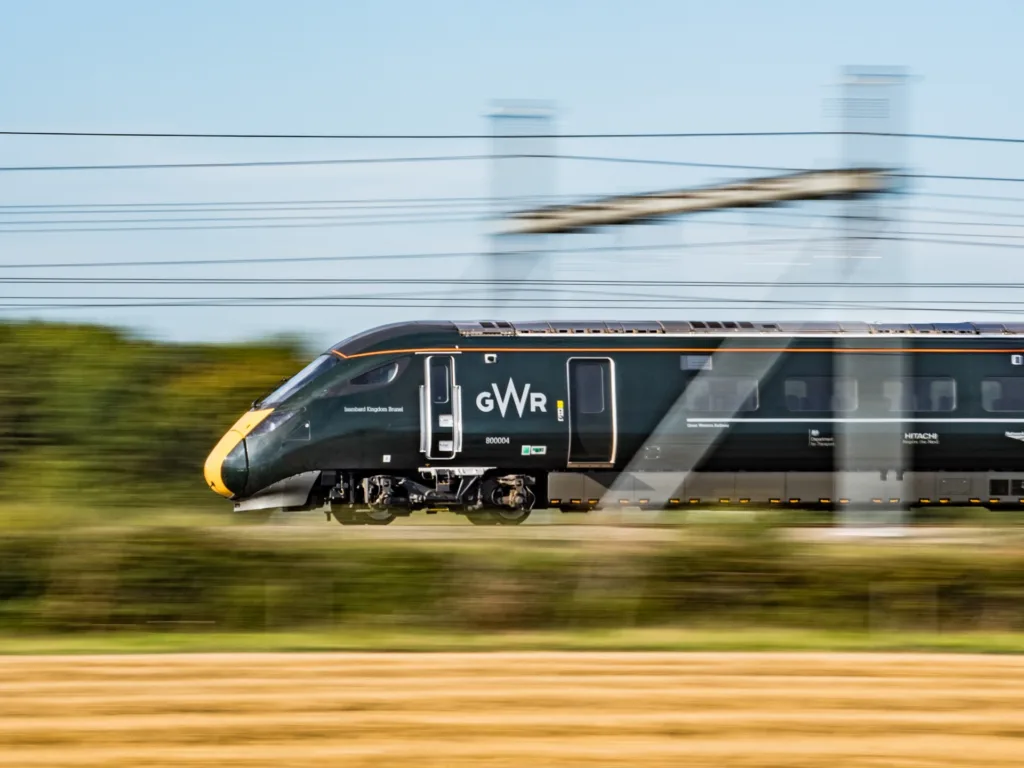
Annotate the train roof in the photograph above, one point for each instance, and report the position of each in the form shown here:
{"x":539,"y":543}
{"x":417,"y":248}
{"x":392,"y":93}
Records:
{"x":385,"y":334}
{"x":739,"y":327}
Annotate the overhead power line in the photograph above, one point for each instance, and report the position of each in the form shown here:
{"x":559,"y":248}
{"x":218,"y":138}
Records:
{"x":391,"y":160}
{"x":386,"y":218}
{"x":436,"y":217}
{"x":415,"y":298}
{"x":401,"y":256}
{"x":571,"y":284}
{"x":456,"y":303}
{"x":484,"y":136}
{"x":804,"y":242}
{"x":208,"y":227}
{"x":420,"y":207}
{"x":402,"y":202}
{"x":164,"y":224}
{"x":247,"y":163}
{"x":465,"y":158}
{"x":375,"y":201}
{"x":44,"y":209}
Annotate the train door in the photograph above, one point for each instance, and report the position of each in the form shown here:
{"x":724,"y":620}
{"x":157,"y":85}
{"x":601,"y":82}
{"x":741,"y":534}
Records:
{"x":440,"y":409}
{"x":592,"y":420}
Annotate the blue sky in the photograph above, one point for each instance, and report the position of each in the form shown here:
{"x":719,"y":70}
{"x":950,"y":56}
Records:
{"x":410,"y":67}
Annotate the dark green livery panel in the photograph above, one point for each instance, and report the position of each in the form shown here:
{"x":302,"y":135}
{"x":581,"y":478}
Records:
{"x":433,"y":413}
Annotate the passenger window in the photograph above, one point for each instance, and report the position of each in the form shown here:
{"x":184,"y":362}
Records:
{"x":920,"y":394}
{"x":722,"y":394}
{"x":1003,"y":394}
{"x":439,"y":381}
{"x":589,"y":392}
{"x":821,"y":393}
{"x":383,"y":374}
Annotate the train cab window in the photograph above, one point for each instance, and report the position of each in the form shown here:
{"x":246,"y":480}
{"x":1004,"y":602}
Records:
{"x":920,"y":394}
{"x":382,"y":374}
{"x":821,"y":393}
{"x":589,"y":386}
{"x":440,"y":380}
{"x":314,"y":370}
{"x":1003,"y":394}
{"x":722,"y":394}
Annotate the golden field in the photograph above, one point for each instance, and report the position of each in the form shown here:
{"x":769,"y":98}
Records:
{"x":513,"y":709}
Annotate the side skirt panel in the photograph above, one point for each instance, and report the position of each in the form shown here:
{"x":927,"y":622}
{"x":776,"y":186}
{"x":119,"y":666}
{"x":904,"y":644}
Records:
{"x":290,"y":493}
{"x":670,"y":489}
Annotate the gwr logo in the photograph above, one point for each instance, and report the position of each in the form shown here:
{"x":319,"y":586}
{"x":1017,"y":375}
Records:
{"x":538,"y":402}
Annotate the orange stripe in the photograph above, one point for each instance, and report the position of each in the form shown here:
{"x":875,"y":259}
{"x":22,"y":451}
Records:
{"x":606,"y":350}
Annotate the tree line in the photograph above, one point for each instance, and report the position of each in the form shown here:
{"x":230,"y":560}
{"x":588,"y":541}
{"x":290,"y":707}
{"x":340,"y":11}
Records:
{"x":90,"y":412}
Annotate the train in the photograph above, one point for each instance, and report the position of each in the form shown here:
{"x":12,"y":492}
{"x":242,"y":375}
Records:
{"x":495,"y":419}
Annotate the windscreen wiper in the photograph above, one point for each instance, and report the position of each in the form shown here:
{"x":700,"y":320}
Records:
{"x":267,"y":393}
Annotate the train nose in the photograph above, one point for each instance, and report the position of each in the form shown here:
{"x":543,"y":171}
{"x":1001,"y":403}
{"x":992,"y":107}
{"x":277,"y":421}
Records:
{"x":227,"y":467}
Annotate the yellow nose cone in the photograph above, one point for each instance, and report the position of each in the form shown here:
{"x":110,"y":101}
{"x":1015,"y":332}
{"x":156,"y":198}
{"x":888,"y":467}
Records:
{"x":235,"y":435}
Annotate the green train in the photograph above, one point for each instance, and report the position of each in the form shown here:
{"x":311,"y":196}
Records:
{"x":495,"y":419}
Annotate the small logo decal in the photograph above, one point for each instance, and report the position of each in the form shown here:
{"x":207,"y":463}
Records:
{"x":816,"y":440}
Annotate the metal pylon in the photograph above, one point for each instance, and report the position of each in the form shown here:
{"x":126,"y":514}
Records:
{"x":873,"y":101}
{"x":522,"y":176}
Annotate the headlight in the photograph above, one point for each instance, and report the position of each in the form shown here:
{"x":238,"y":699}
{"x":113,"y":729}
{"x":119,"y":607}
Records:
{"x":273,"y":422}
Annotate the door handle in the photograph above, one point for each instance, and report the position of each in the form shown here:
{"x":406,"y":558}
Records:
{"x":424,"y":422}
{"x":457,"y":416}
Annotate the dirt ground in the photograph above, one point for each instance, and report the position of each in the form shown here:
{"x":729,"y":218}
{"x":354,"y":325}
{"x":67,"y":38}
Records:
{"x":537,"y":710}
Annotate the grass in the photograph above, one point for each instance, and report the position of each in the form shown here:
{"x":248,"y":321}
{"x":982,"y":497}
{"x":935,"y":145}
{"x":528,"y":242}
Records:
{"x":650,"y":639}
{"x":62,"y":515}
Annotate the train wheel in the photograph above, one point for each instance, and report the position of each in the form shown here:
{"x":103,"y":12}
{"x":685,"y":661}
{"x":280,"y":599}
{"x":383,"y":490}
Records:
{"x":364,"y":517}
{"x":482,"y":518}
{"x":378,"y":517}
{"x":346,"y":517}
{"x":511,"y":516}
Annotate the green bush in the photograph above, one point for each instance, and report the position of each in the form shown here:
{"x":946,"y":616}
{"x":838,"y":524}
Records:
{"x":232,"y":580}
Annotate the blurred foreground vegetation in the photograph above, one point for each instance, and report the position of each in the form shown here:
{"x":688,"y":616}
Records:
{"x":92,"y":413}
{"x":719,"y":584}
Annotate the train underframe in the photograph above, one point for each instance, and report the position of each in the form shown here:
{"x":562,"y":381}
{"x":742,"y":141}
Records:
{"x":488,"y":496}
{"x":484,"y":496}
